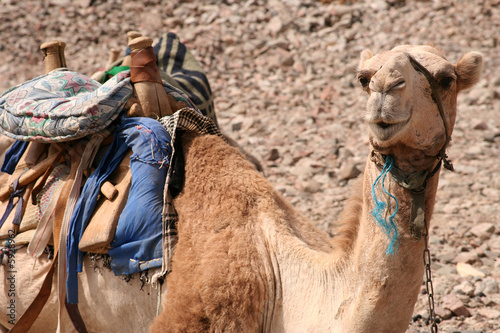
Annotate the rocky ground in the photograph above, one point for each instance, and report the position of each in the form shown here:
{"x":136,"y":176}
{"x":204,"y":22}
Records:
{"x":283,"y":77}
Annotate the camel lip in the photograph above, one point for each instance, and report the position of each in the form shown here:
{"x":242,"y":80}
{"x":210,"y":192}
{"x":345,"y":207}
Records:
{"x":384,"y":130}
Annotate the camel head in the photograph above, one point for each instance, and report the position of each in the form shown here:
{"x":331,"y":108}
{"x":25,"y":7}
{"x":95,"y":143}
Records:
{"x":402,"y":111}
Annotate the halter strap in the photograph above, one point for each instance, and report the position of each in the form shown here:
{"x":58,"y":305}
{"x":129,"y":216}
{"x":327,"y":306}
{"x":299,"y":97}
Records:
{"x":437,"y":99}
{"x":415,"y":181}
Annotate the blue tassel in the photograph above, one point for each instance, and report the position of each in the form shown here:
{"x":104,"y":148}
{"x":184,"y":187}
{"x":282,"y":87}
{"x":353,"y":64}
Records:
{"x":388,"y":226}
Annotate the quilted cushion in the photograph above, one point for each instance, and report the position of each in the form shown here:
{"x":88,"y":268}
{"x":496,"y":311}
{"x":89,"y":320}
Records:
{"x":62,"y":105}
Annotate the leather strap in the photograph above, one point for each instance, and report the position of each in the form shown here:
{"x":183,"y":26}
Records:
{"x":144,"y":68}
{"x":415,"y":181}
{"x":33,"y":311}
{"x":76,"y":318}
{"x":417,"y":217}
{"x":437,"y":99}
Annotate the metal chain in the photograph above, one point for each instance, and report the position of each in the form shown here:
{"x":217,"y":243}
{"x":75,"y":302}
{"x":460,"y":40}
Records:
{"x":428,"y":281}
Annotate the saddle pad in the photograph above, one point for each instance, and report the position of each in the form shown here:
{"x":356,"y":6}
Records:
{"x":61,"y":106}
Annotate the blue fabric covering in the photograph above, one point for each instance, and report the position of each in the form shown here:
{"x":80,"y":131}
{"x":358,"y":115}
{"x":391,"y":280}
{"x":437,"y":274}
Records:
{"x":137,"y":243}
{"x":13,"y":155}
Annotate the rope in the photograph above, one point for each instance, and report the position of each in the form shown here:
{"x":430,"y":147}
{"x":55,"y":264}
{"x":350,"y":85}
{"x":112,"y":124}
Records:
{"x":379,"y":211}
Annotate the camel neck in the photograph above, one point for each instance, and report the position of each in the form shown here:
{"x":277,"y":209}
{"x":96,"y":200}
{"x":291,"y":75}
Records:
{"x":389,"y":276}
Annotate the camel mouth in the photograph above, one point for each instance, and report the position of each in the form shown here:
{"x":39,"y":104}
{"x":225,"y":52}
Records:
{"x":384,"y":130}
{"x":384,"y":125}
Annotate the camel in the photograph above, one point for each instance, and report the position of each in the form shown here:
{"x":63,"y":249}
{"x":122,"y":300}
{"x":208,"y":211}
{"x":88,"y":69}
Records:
{"x":247,"y":261}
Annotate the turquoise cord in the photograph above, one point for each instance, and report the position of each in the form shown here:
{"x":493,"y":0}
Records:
{"x":388,"y":225}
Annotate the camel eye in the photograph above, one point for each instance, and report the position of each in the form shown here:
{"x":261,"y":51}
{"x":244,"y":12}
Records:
{"x":400,"y":84}
{"x":364,"y":81}
{"x":446,"y":82}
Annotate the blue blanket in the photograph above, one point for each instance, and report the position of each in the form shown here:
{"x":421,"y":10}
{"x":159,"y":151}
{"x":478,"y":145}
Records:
{"x":137,"y":244}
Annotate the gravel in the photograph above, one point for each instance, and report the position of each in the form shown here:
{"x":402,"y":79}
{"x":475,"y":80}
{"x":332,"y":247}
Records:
{"x":283,"y":77}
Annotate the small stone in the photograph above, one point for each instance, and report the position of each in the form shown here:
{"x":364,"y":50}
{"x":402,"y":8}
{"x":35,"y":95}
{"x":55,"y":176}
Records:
{"x":238,"y":109}
{"x":287,"y":61}
{"x":487,"y":286}
{"x":482,"y":126}
{"x":273,"y":155}
{"x":466,"y":257}
{"x":327,"y":93}
{"x":298,"y":155}
{"x":446,"y":269}
{"x":443,"y":313}
{"x":299,"y":67}
{"x":489,"y":313}
{"x":455,"y":305}
{"x":241,"y":122}
{"x":474,"y":244}
{"x":311,"y":186}
{"x":85,"y":3}
{"x":236,"y":126}
{"x":480,"y":252}
{"x":465,"y":270}
{"x":483,"y":230}
{"x":494,"y":244}
{"x":447,"y":257}
{"x":275,"y":25}
{"x":496,"y":81}
{"x":379,"y":5}
{"x":464,"y":288}
{"x":348,"y":171}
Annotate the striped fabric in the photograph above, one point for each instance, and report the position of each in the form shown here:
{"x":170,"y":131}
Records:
{"x":180,"y":68}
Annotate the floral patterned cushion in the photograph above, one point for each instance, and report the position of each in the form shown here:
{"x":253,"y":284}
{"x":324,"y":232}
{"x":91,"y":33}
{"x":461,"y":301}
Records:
{"x":62,"y":105}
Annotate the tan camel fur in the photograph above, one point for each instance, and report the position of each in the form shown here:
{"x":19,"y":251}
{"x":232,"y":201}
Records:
{"x":246,"y":261}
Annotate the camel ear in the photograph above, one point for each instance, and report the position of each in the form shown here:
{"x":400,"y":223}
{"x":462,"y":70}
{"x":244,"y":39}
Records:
{"x":469,"y":70}
{"x":365,"y":55}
